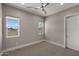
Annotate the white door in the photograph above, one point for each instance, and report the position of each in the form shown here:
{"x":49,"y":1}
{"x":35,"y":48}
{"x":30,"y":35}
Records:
{"x":73,"y":32}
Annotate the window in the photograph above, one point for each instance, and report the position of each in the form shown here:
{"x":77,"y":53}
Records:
{"x":12,"y":27}
{"x":40,"y":27}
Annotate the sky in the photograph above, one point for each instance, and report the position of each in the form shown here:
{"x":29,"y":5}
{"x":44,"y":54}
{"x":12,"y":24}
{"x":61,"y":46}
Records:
{"x":12,"y":23}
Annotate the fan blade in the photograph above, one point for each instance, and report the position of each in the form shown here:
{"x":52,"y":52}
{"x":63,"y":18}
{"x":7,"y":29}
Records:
{"x":29,"y":7}
{"x":34,"y":7}
{"x":43,"y":10}
{"x":38,"y":7}
{"x":47,"y":4}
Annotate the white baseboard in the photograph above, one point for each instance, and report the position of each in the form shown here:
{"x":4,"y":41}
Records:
{"x":25,"y":45}
{"x":54,"y":43}
{"x":21,"y":46}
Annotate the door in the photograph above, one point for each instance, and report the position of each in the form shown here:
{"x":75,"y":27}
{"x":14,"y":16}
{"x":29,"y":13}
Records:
{"x":73,"y":32}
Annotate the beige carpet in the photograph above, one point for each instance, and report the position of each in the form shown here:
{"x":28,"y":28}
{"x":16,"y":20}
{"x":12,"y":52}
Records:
{"x":42,"y":49}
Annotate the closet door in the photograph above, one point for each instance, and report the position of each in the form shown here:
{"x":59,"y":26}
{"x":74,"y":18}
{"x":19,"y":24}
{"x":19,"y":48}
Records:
{"x":73,"y":32}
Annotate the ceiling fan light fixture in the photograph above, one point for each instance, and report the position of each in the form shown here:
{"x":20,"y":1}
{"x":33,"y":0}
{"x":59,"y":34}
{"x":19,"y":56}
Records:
{"x":43,"y":6}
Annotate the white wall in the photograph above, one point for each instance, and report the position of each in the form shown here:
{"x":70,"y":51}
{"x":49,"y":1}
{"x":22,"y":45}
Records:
{"x":0,"y":27}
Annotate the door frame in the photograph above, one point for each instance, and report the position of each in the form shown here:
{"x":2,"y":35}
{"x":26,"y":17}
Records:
{"x":65,"y":28}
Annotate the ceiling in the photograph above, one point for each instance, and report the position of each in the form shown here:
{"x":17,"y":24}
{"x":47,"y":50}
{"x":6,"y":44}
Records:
{"x":52,"y":8}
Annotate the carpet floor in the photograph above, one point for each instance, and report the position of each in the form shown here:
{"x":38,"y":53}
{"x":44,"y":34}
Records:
{"x":42,"y":49}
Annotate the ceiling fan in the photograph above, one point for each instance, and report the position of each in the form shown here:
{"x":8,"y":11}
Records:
{"x":43,"y":5}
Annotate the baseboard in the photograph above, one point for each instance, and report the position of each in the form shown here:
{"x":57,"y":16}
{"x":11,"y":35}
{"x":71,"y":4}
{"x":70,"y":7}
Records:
{"x":54,"y":43}
{"x":25,"y":45}
{"x":21,"y":46}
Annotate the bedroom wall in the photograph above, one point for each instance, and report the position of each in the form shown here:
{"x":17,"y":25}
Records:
{"x":28,"y":27}
{"x":0,"y":27}
{"x":54,"y":25}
